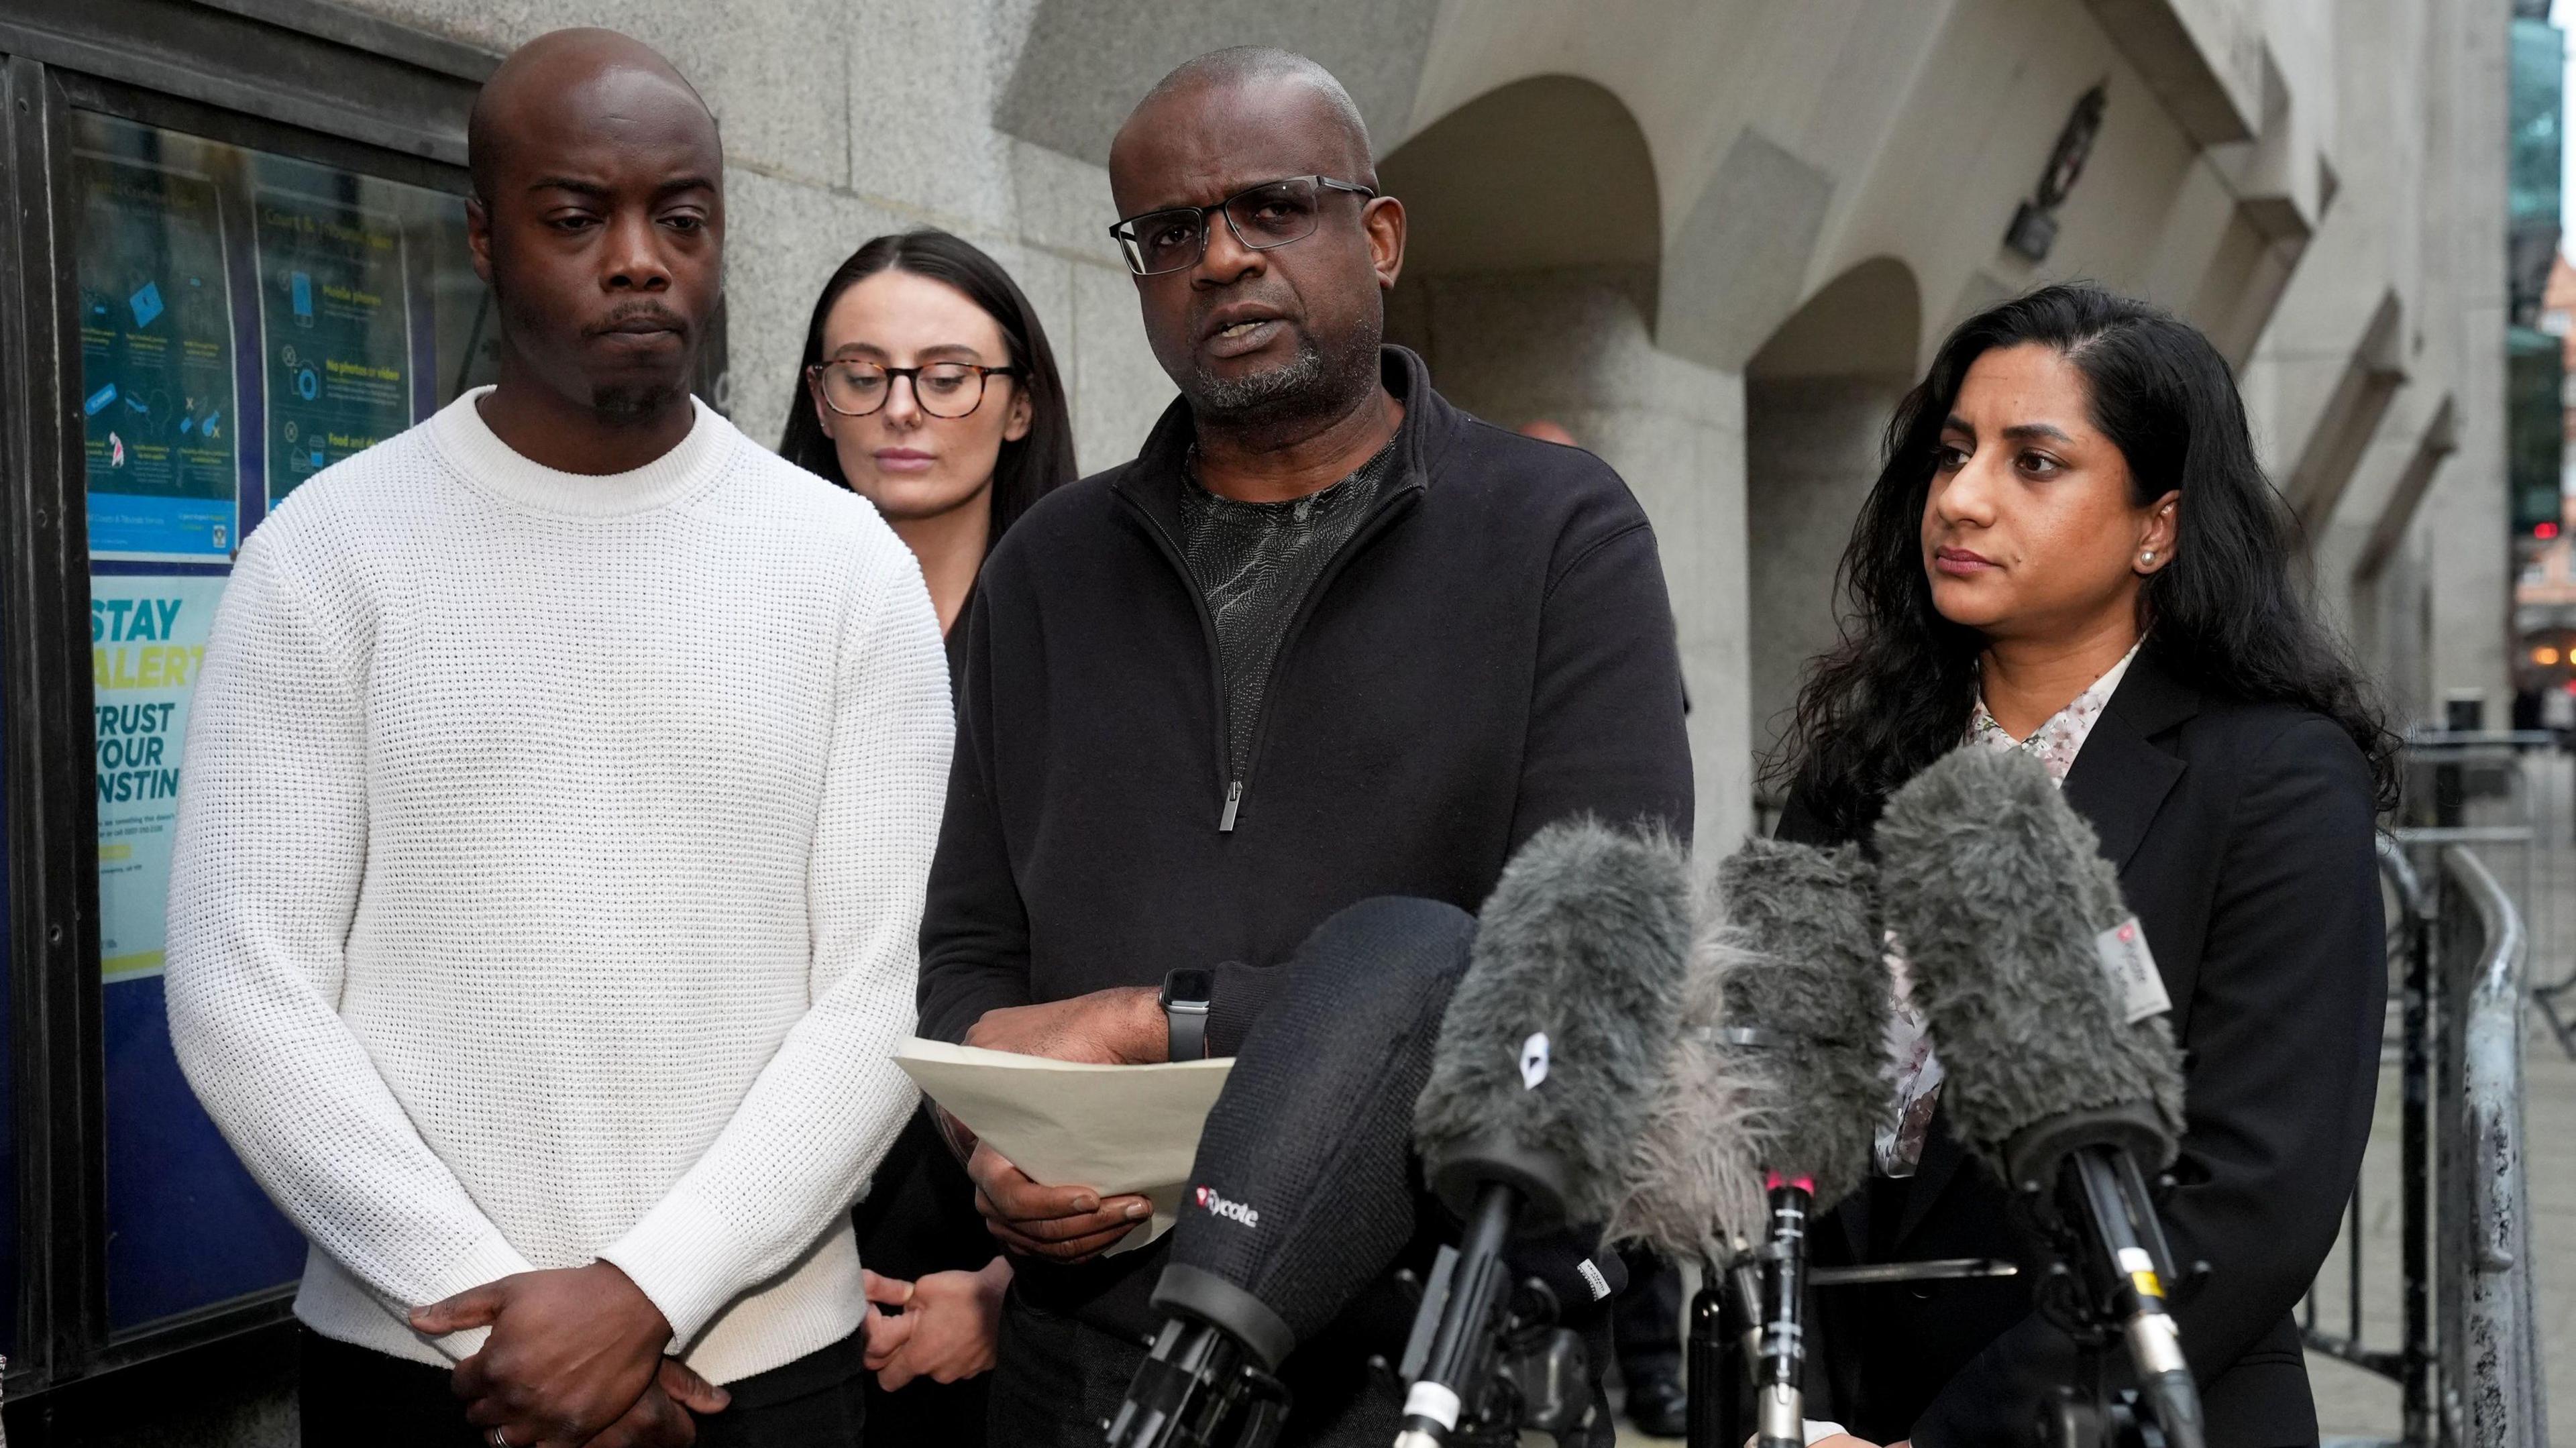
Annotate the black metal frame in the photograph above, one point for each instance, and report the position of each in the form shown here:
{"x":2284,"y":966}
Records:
{"x":296,"y":77}
{"x":52,"y":822}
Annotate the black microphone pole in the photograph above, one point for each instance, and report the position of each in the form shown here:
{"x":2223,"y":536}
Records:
{"x":1187,"y":1388}
{"x":1465,"y":1342}
{"x":1725,"y":1329}
{"x":2123,"y":1217}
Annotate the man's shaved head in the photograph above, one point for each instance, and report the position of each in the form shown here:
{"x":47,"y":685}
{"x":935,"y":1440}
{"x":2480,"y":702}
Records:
{"x":598,"y":220}
{"x":559,"y":71}
{"x":1264,"y":334}
{"x":1246,"y":67}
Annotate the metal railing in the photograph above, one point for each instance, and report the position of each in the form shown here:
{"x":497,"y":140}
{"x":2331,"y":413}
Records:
{"x":2490,"y":1343}
{"x":2471,"y":1377}
{"x":2456,"y":775}
{"x":2411,"y":1364}
{"x":2466,"y":788}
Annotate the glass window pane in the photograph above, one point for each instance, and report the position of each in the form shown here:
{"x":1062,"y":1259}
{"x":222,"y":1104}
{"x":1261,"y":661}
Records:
{"x":247,"y":319}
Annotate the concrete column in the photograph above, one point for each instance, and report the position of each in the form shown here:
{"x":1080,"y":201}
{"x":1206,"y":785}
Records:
{"x":1573,"y":347}
{"x":2469,"y":603}
{"x":1812,"y":450}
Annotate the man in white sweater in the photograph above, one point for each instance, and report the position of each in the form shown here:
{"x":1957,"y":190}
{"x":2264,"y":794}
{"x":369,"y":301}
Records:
{"x":563,"y":778}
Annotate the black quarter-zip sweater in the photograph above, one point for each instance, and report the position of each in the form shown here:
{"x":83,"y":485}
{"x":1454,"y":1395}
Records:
{"x":1491,"y":651}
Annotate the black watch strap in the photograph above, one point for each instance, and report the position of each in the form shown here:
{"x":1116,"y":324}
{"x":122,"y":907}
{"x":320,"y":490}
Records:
{"x":1185,"y":1013}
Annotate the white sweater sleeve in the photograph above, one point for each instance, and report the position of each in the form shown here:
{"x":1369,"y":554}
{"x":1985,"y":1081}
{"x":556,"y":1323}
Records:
{"x":267,"y":862}
{"x":830,"y":1102}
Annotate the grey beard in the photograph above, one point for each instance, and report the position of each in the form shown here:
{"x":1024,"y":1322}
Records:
{"x":1291,"y":381}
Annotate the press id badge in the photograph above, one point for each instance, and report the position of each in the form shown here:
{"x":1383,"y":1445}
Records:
{"x":2137,"y":988}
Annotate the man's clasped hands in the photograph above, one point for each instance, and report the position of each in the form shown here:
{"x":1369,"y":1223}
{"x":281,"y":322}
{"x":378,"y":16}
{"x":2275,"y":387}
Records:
{"x":576,"y":1356}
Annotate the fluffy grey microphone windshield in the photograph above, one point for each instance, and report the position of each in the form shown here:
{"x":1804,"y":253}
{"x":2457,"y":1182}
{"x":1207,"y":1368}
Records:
{"x":1697,"y":1186}
{"x":1582,"y":942}
{"x":1820,"y":989}
{"x":1996,"y":890}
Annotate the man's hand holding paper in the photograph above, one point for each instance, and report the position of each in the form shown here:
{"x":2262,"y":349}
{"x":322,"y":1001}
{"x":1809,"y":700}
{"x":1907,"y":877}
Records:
{"x":1122,"y":1026}
{"x":1062,"y":1223}
{"x":1076,"y":1147}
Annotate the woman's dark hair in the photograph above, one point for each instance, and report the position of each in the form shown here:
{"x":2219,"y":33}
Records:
{"x":1027,"y":468}
{"x":2225,"y":614}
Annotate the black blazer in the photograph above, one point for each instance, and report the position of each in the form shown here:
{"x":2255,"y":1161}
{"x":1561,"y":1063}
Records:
{"x":2243,"y":834}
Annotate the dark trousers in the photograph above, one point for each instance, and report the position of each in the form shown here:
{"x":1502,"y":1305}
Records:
{"x":356,"y":1397}
{"x":1646,"y":1319}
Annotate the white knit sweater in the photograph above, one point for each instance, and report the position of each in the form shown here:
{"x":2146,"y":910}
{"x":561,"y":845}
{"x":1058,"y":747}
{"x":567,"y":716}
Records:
{"x":549,"y":869}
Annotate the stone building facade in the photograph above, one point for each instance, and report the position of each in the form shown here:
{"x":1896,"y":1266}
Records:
{"x":1717,"y":238}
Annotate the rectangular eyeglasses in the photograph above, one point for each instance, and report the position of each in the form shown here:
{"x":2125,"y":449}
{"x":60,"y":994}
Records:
{"x":1271,"y":214}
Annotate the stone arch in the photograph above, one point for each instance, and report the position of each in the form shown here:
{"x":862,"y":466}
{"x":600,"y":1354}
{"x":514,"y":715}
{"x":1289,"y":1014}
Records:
{"x":1544,"y":174}
{"x":1817,"y":397}
{"x":1081,"y":65}
{"x":1535,"y":232}
{"x":1530,"y":286}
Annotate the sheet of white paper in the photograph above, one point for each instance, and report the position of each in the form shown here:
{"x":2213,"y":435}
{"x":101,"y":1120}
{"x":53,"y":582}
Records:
{"x":1118,"y":1129}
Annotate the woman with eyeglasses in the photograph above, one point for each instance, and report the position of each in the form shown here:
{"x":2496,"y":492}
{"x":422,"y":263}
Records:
{"x":927,"y":387}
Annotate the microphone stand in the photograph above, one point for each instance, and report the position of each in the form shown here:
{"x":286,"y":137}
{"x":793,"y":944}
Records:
{"x":2133,"y":1238}
{"x":2107,"y":1284}
{"x":1433,"y":1406}
{"x":1188,"y":1389}
{"x":1779,"y":1404}
{"x":1489,"y":1360}
{"x":1725,"y":1339}
{"x":1726,"y":1329}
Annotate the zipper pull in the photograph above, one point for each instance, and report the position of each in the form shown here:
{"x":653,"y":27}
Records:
{"x":1233,"y":801}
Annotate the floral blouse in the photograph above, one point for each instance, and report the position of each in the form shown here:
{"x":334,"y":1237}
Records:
{"x":2055,"y":743}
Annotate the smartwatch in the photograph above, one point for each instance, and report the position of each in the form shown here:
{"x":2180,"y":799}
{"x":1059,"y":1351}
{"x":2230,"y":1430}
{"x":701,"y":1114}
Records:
{"x":1185,"y":1010}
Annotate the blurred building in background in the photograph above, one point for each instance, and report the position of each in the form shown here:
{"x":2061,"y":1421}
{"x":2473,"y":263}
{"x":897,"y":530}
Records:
{"x":2540,"y":290}
{"x":1716,"y":239}
{"x":2544,"y":594}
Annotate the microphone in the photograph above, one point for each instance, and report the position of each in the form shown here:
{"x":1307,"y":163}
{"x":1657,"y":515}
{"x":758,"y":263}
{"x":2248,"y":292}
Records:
{"x":1301,"y":1196}
{"x":1811,"y":1014}
{"x":1696,"y":1189}
{"x":1541,"y":1082}
{"x":2047,"y":1010}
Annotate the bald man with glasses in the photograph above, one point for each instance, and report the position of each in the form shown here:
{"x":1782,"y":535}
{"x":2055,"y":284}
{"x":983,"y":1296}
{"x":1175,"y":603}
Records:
{"x":1326,"y":638}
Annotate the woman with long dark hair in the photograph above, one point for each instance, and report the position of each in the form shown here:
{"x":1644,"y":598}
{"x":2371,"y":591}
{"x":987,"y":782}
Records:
{"x":2073,"y":551}
{"x":927,"y":386}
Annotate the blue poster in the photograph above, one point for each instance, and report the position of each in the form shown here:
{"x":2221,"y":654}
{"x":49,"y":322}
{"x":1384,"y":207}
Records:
{"x":147,"y":639}
{"x":186,"y":1224}
{"x":337,"y":324}
{"x":156,"y":334}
